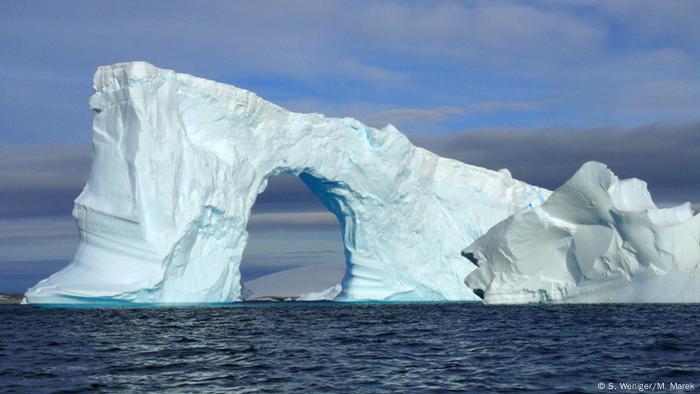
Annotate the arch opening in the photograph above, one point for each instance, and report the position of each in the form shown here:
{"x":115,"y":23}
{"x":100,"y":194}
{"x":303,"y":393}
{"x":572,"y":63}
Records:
{"x":295,"y":248}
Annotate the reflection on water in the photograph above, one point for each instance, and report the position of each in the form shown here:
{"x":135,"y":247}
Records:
{"x":330,"y":347}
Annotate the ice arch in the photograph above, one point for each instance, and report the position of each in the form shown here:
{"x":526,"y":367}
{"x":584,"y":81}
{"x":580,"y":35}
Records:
{"x":178,"y":162}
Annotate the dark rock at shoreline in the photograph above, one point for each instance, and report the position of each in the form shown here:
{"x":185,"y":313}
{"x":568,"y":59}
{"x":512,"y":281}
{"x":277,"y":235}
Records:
{"x":11,"y":298}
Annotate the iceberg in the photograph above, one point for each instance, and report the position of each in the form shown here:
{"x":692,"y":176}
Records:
{"x":178,"y":162}
{"x":595,"y":239}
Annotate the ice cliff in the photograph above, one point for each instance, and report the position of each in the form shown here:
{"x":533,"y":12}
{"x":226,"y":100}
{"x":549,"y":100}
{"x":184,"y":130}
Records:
{"x":178,"y":162}
{"x":595,"y":239}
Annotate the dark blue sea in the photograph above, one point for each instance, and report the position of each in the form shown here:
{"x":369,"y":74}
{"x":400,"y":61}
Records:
{"x":345,"y":348}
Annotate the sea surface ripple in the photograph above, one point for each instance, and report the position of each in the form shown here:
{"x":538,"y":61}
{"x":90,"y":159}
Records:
{"x":332,"y":347}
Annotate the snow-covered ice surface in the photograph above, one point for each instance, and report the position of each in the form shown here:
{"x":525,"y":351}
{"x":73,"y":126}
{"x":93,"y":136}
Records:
{"x":312,"y":279}
{"x":596,"y":239}
{"x":178,"y":162}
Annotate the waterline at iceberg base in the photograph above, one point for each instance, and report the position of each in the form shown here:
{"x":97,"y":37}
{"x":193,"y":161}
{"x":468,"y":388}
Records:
{"x":178,"y":162}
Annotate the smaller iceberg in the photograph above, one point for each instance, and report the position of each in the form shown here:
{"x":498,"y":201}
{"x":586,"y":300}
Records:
{"x":325,"y":295}
{"x":307,"y":283}
{"x":596,"y":239}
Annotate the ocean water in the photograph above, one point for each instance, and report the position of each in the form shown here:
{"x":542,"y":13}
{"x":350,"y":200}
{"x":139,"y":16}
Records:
{"x":343,"y":348}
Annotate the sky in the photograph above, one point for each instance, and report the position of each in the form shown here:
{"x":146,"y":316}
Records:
{"x":538,"y":87}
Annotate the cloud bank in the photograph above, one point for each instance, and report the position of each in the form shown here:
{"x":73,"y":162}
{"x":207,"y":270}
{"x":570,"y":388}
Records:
{"x":43,"y":180}
{"x":667,"y":157}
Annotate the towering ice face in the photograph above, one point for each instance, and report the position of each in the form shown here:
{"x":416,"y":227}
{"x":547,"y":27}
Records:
{"x":596,"y":239}
{"x":178,"y":162}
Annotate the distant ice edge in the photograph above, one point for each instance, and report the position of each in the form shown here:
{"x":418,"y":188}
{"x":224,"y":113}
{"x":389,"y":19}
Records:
{"x":178,"y":162}
{"x":596,"y":239}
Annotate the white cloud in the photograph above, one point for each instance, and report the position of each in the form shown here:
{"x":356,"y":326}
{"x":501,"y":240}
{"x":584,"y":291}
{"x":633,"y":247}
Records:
{"x":400,"y":116}
{"x":588,"y":56}
{"x":410,"y":117}
{"x":483,"y":32}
